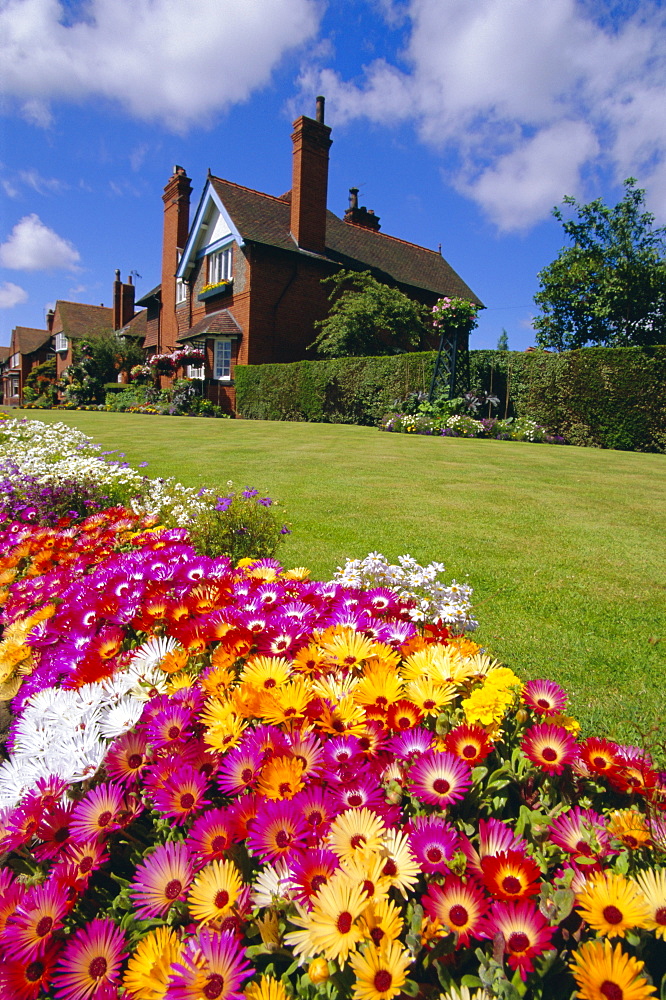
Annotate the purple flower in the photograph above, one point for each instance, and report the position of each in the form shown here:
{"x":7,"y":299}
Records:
{"x":247,"y":494}
{"x":284,"y":530}
{"x":223,"y":504}
{"x":265,"y":502}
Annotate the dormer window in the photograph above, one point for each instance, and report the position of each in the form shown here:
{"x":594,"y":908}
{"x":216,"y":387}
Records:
{"x":220,"y":266}
{"x":61,"y":342}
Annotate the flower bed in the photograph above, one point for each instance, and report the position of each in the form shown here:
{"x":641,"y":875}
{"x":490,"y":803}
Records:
{"x":461,"y":425}
{"x":227,"y":779}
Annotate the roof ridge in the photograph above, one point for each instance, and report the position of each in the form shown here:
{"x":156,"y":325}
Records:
{"x":244,"y":187}
{"x":88,"y":305}
{"x":388,"y":236}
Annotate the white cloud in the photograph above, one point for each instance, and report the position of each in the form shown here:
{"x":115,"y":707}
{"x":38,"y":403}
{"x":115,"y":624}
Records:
{"x":32,"y":246}
{"x":161,"y":59}
{"x":11,"y":295}
{"x":495,"y":84}
{"x":42,"y":185}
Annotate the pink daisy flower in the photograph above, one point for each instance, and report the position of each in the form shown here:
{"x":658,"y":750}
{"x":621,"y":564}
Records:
{"x":311,"y":871}
{"x":161,"y":879}
{"x":550,"y":747}
{"x":89,"y":964}
{"x":53,"y":831}
{"x":460,"y":906}
{"x":434,"y":842}
{"x":30,"y":928}
{"x":210,"y":837}
{"x":440,"y":779}
{"x":581,"y":831}
{"x":494,"y":837}
{"x":27,"y":979}
{"x":525,"y":930}
{"x":544,"y":697}
{"x":212,"y":965}
{"x":127,"y":756}
{"x":97,"y":813}
{"x":278,"y":831}
{"x":239,"y":770}
{"x":182,"y":795}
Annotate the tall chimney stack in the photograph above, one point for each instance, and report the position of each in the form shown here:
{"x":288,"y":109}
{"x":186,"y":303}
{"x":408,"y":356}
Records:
{"x":176,"y":200}
{"x":123,"y":301}
{"x":309,"y":184}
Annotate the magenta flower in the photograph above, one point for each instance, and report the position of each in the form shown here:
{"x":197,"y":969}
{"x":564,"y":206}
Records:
{"x":212,"y":965}
{"x":89,"y":964}
{"x":161,"y":879}
{"x":440,"y":778}
{"x":550,"y":747}
{"x":434,"y":842}
{"x":544,"y":697}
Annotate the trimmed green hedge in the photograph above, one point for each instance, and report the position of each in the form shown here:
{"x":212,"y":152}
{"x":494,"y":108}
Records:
{"x":600,"y":397}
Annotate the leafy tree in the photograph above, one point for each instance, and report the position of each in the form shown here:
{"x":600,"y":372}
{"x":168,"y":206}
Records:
{"x":41,"y":382}
{"x":609,"y":287}
{"x":368,"y":318}
{"x":97,"y":360}
{"x":503,"y":341}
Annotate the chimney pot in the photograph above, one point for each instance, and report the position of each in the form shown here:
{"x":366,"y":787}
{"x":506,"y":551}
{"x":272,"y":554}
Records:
{"x":319,"y":109}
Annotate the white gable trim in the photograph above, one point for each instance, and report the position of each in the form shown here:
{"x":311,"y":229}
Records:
{"x":198,"y":240}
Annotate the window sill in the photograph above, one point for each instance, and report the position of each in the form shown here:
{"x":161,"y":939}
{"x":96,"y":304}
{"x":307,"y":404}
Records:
{"x":214,"y":292}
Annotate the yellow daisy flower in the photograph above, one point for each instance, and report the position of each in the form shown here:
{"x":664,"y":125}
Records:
{"x":214,"y":892}
{"x":380,"y":972}
{"x":612,"y":904}
{"x":653,"y":886}
{"x":330,"y":929}
{"x":350,"y":648}
{"x":281,"y":778}
{"x":602,"y":972}
{"x":381,"y":922}
{"x":149,"y":968}
{"x":628,"y":826}
{"x":356,"y":830}
{"x":267,"y":988}
{"x":400,"y":866}
{"x":288,"y":704}
{"x":365,"y":870}
{"x":378,"y":686}
{"x":429,"y":696}
{"x":266,"y":672}
{"x":296,"y":573}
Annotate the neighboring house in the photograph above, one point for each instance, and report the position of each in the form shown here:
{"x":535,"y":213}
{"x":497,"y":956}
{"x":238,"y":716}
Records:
{"x":28,"y":348}
{"x":244,"y":280}
{"x":71,"y":321}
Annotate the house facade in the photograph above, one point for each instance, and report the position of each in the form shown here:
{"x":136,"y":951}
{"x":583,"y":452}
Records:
{"x":243,"y":280}
{"x":28,"y":348}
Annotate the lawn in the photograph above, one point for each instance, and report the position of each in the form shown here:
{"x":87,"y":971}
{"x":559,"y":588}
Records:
{"x":565,"y":547}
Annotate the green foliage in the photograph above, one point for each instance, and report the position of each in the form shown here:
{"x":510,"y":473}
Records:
{"x":97,"y":360}
{"x":369,"y":318}
{"x":601,"y":397}
{"x":178,"y":399}
{"x":40,"y":385}
{"x":609,"y":287}
{"x":342,"y":390}
{"x":241,"y":526}
{"x":503,"y":341}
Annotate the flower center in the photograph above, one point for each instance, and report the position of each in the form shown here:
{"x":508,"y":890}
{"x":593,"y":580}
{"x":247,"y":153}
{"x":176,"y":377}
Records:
{"x":612,"y":915}
{"x":187,"y":800}
{"x":543,"y":703}
{"x":390,"y":869}
{"x":270,"y":683}
{"x":61,"y":835}
{"x":317,"y":882}
{"x":44,"y":926}
{"x":458,"y":915}
{"x":434,"y":855}
{"x":383,"y":980}
{"x":429,"y":704}
{"x":214,"y":987}
{"x":469,"y":751}
{"x":315,"y":818}
{"x":283,"y":840}
{"x":357,"y":841}
{"x":441,"y":786}
{"x":660,"y":916}
{"x":355,"y":799}
{"x":548,"y":753}
{"x":104,"y":818}
{"x":173,"y":889}
{"x":97,"y":967}
{"x":135,"y":760}
{"x":221,"y":899}
{"x":518,"y":941}
{"x":85,"y":865}
{"x":376,"y":934}
{"x":601,"y":763}
{"x":511,"y":884}
{"x":369,"y":887}
{"x":174,"y":732}
{"x":611,"y":990}
{"x":246,"y":775}
{"x":344,"y":922}
{"x":34,"y":972}
{"x":285,"y":788}
{"x":404,"y":722}
{"x":218,"y":843}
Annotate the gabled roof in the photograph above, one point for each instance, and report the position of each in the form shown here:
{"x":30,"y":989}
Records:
{"x":80,"y":320}
{"x":4,"y":353}
{"x":263,"y":218}
{"x":27,"y":339}
{"x":220,"y":322}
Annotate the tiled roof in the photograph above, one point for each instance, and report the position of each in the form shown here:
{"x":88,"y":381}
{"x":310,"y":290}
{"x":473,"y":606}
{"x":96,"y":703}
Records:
{"x":262,"y":218}
{"x":81,"y":320}
{"x":153,"y":293}
{"x":28,"y":339}
{"x":4,"y":353}
{"x":136,"y":326}
{"x":221,"y":322}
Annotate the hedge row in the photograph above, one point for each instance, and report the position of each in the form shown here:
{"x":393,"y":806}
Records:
{"x":600,"y":397}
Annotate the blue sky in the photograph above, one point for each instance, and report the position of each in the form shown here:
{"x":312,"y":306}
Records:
{"x":461,"y":123}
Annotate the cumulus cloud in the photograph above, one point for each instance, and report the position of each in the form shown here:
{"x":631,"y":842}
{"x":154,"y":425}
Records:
{"x":161,"y":59}
{"x":527,"y":96}
{"x":11,"y":295}
{"x":32,"y":246}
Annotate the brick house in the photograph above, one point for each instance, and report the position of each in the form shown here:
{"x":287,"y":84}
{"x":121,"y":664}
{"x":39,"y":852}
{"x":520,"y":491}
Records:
{"x":27,"y":349}
{"x":244,"y":279}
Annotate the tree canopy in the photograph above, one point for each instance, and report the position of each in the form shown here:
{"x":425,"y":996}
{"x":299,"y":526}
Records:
{"x":609,"y":287}
{"x":368,"y":318}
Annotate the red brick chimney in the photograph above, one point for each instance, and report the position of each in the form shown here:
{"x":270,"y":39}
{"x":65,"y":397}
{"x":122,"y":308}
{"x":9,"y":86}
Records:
{"x":176,"y":200}
{"x":309,"y":183}
{"x":362,"y":216}
{"x":123,"y":302}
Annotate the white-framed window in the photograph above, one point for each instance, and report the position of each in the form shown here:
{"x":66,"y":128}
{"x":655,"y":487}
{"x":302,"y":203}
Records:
{"x":220,"y":266}
{"x":16,"y":360}
{"x":61,"y":342}
{"x":222,"y":360}
{"x":181,"y":291}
